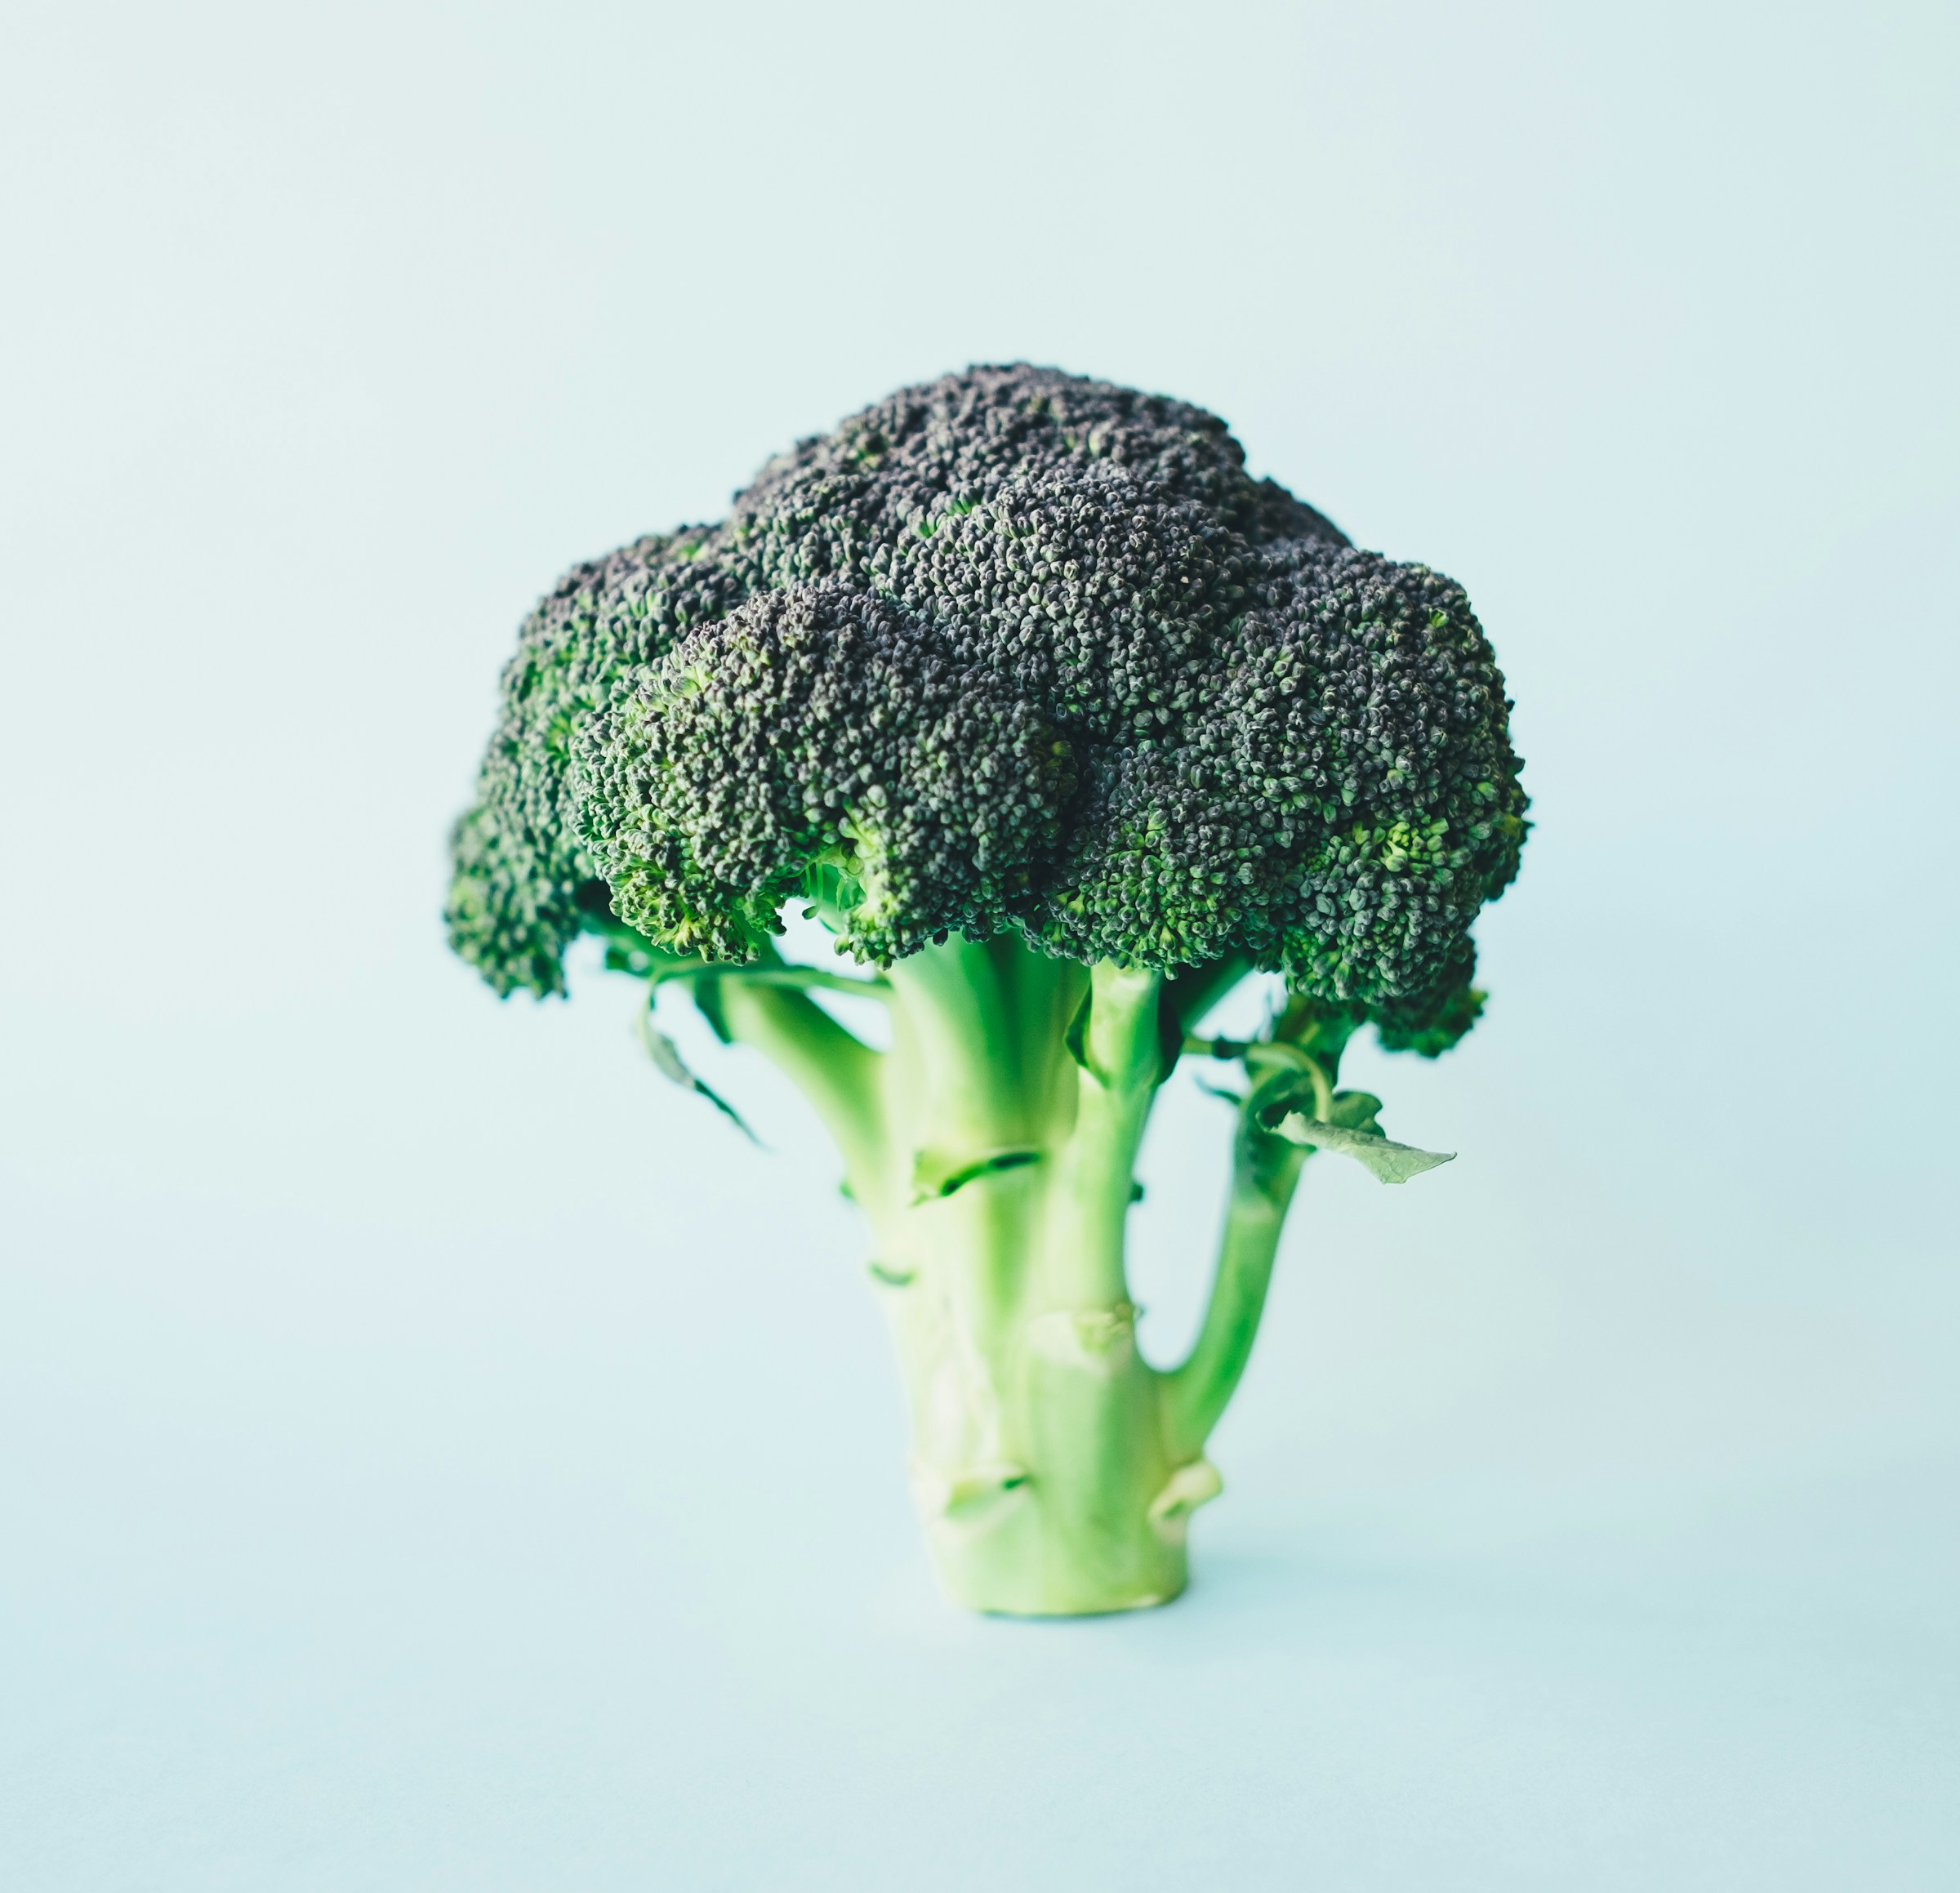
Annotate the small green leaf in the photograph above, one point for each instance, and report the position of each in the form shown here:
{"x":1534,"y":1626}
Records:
{"x":941,"y":1172}
{"x":667,"y":1060}
{"x":1390,"y":1163}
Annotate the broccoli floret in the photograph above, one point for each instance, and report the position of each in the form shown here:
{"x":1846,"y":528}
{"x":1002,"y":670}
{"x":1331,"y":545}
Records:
{"x":1063,"y":723}
{"x":819,"y":726}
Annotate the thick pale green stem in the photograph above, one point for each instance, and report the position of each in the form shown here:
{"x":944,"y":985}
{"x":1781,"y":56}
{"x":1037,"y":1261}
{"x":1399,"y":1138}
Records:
{"x":1054,"y":1468}
{"x":969,"y":1103}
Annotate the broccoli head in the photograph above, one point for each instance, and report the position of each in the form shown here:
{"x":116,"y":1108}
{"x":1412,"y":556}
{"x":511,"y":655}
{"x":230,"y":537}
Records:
{"x":1063,"y":723}
{"x":1012,"y":650}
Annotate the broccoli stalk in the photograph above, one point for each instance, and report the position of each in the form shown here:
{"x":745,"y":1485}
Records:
{"x":992,"y":1150}
{"x":1063,"y":726}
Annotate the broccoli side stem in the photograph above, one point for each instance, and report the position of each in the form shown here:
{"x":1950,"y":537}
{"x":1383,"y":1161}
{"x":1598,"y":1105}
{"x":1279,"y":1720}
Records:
{"x":1055,"y":1468}
{"x":835,"y":1071}
{"x":1197,"y":1392}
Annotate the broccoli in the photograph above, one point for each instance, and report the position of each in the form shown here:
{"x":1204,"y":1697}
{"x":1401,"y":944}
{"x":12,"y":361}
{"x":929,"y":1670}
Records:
{"x":1063,"y":725}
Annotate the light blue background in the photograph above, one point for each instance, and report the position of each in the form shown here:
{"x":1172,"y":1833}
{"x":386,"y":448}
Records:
{"x":437,"y":1456}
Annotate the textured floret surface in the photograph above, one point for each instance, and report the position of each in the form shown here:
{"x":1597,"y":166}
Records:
{"x":1014,"y":650}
